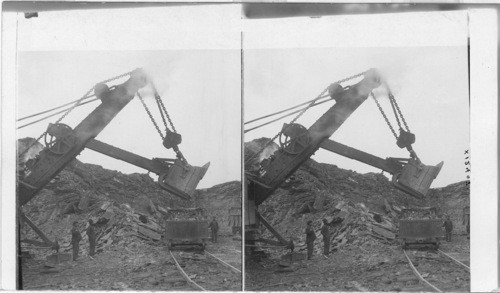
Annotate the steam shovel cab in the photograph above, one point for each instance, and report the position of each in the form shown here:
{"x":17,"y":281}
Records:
{"x":420,"y":227}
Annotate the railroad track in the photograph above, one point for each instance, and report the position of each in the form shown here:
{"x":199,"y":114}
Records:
{"x":206,"y":272}
{"x":439,"y":271}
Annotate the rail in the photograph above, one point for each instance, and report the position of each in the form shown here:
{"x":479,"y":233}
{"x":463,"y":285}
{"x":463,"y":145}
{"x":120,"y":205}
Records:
{"x":455,"y":260}
{"x":185,"y":276}
{"x":223,"y":262}
{"x":417,"y":273}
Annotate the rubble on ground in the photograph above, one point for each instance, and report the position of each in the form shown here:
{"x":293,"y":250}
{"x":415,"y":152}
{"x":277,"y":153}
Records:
{"x":127,"y":208}
{"x":362,"y":209}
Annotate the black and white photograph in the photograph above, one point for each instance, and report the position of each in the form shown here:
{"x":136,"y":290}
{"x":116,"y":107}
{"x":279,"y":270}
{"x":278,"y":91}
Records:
{"x":357,"y":158}
{"x":129,"y":174}
{"x":249,"y":146}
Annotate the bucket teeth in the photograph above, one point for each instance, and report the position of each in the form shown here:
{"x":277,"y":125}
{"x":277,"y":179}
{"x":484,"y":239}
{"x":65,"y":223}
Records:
{"x":416,"y":178}
{"x":184,"y":176}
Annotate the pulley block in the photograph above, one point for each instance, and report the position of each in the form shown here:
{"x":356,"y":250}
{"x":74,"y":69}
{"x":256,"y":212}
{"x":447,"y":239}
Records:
{"x":172,"y":139}
{"x":294,"y":138}
{"x":59,"y":138}
{"x":101,"y":90}
{"x":405,"y":139}
{"x":334,"y":89}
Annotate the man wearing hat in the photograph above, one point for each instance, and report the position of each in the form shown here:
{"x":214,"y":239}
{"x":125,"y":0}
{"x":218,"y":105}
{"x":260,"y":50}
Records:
{"x":75,"y":240}
{"x":310,"y":237}
{"x":326,"y":238}
{"x":92,"y":238}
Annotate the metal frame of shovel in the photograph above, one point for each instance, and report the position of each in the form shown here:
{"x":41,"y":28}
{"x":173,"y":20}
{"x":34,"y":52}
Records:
{"x":183,"y":176}
{"x":416,"y":178}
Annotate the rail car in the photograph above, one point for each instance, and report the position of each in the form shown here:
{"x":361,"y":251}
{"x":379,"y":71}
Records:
{"x":186,"y":233}
{"x":420,"y":226}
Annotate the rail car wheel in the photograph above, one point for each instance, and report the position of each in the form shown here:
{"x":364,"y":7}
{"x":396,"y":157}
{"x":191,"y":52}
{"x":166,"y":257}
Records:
{"x":59,"y":138}
{"x":294,"y":138}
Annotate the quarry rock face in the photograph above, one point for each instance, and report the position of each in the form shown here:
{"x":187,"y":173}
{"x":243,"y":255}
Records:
{"x":217,"y":202}
{"x":361,"y":209}
{"x":128,"y":208}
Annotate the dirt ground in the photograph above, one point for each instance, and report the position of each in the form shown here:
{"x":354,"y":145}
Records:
{"x":364,"y":268}
{"x":140,"y":266}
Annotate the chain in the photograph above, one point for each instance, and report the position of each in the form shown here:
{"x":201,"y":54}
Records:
{"x":160,"y":105}
{"x":300,"y":114}
{"x":400,"y":113}
{"x":150,"y":116}
{"x":383,"y":114}
{"x":161,"y":113}
{"x":391,"y":100}
{"x":165,"y":111}
{"x":395,"y":107}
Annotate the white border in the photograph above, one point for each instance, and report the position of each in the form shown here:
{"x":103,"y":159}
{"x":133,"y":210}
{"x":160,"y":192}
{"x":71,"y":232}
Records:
{"x":8,"y":154}
{"x":484,"y":145}
{"x":484,"y":159}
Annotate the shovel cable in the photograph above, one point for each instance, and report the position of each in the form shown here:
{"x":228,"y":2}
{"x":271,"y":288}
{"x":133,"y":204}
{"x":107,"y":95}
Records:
{"x":282,"y":111}
{"x":51,"y":115}
{"x":284,"y":116}
{"x":77,"y":103}
{"x":301,"y":112}
{"x":50,"y":110}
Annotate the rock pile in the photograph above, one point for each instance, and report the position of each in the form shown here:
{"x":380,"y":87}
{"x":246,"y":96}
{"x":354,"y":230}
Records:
{"x":128,"y":208}
{"x":217,"y":201}
{"x":361,"y":209}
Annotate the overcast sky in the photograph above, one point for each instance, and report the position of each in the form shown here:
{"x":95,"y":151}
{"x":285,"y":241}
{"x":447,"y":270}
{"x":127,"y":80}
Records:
{"x":195,"y":65}
{"x":423,"y":58}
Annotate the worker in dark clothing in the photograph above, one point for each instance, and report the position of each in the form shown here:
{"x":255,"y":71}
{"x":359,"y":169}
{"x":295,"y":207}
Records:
{"x":56,"y":247}
{"x":448,"y":227}
{"x":291,"y":245}
{"x":92,"y":238}
{"x":326,"y":238}
{"x":466,"y":222}
{"x":214,"y":226}
{"x":310,"y":237}
{"x":75,"y":240}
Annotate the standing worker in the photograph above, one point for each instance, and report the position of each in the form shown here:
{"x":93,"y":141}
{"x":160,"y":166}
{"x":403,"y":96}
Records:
{"x":214,"y":226}
{"x":56,"y":247}
{"x":92,"y":238}
{"x":326,"y":238}
{"x":310,"y":237}
{"x":448,"y":227}
{"x":466,"y":222}
{"x":75,"y":240}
